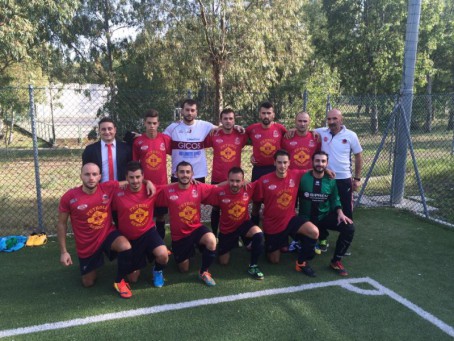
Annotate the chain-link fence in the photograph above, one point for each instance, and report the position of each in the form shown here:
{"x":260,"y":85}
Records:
{"x":44,"y":131}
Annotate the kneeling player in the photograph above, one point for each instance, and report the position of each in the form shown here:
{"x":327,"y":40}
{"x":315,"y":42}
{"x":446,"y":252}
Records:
{"x":233,"y":200}
{"x":135,"y":222}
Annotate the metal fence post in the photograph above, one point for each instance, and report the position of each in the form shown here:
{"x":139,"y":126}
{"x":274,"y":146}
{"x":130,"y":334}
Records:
{"x":328,"y":104}
{"x":305,"y":100}
{"x":39,"y":198}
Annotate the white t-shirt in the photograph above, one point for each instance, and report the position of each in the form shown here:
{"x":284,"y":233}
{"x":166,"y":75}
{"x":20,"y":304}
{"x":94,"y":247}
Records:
{"x":187,"y":145}
{"x":339,"y":149}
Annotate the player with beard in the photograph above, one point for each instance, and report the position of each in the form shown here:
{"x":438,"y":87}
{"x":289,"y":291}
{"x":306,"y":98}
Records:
{"x":183,"y":200}
{"x":233,"y":200}
{"x":319,"y":203}
{"x":266,"y":138}
{"x":227,"y":144}
{"x":279,"y":191}
{"x":135,"y":221}
{"x":89,"y":207}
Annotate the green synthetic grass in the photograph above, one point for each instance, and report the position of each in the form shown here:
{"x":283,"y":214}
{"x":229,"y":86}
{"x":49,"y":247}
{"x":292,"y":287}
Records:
{"x":403,"y":253}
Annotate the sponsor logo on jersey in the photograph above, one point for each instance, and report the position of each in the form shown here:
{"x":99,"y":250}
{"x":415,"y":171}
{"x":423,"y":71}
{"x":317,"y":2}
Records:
{"x":82,"y":207}
{"x":257,"y":136}
{"x":272,"y":187}
{"x":219,"y":141}
{"x":173,"y":197}
{"x":293,"y":143}
{"x":226,"y":200}
{"x":144,"y":147}
{"x":187,"y":145}
{"x":120,"y":194}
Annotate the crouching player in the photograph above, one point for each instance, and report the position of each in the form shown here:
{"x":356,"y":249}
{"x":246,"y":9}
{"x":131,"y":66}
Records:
{"x":89,"y":207}
{"x":233,"y":200}
{"x":135,"y":222}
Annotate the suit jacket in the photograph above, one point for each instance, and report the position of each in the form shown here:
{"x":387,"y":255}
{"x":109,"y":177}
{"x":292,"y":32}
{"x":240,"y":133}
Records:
{"x":92,"y":153}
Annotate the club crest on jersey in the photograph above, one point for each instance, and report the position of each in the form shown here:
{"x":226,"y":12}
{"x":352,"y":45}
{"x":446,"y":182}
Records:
{"x":311,"y":143}
{"x":82,"y":207}
{"x":317,"y":182}
{"x":144,"y":147}
{"x":325,"y":139}
{"x":257,"y":136}
{"x":162,"y":146}
{"x":275,"y":133}
{"x":105,"y":198}
{"x":173,"y":197}
{"x":306,"y":194}
{"x":344,"y":141}
{"x":272,"y":187}
{"x":195,"y":194}
{"x":291,"y":183}
{"x":237,"y":141}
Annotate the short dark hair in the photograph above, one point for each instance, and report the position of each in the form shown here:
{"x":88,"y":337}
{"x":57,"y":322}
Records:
{"x":267,"y":105}
{"x":281,"y":152}
{"x":133,"y":166}
{"x":189,"y":101}
{"x":151,"y":113}
{"x":106,"y":119}
{"x":236,"y":170}
{"x":320,"y":152}
{"x":226,"y":111}
{"x":183,"y":164}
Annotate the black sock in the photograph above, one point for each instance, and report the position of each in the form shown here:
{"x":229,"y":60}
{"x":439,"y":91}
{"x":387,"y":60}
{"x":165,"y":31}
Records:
{"x":215,"y":213}
{"x":207,"y":259}
{"x":158,"y":266}
{"x":257,"y":247}
{"x":307,"y":249}
{"x":161,"y":228}
{"x":255,"y":219}
{"x":124,"y":265}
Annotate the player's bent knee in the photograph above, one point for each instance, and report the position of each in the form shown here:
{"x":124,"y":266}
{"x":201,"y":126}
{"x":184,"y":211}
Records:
{"x":184,"y":266}
{"x":224,"y":259}
{"x":209,"y":241}
{"x":121,"y":244}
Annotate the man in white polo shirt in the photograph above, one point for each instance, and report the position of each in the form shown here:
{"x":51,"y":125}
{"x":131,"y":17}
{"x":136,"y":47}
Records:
{"x":339,"y":143}
{"x":187,"y":141}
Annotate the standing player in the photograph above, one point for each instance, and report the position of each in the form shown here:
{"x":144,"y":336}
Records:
{"x":278,"y":191}
{"x":319,"y":202}
{"x":89,"y":207}
{"x":187,"y":141}
{"x":233,"y":200}
{"x":227,"y":144}
{"x":151,"y":149}
{"x":302,"y":145}
{"x":135,"y":222}
{"x":339,"y":143}
{"x":183,"y":200}
{"x":266,"y":140}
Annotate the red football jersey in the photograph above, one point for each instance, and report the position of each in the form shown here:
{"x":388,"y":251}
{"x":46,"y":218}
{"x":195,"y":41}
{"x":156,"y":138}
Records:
{"x":135,"y":211}
{"x":184,"y":207}
{"x":279,"y":196}
{"x":90,"y":214}
{"x":226,"y":152}
{"x":234,"y":206}
{"x":152,"y":154}
{"x":301,"y":149}
{"x":265,"y":142}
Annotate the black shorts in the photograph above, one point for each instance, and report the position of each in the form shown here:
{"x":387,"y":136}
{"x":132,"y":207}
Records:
{"x":229,"y":241}
{"x":96,"y":260}
{"x":160,"y":210}
{"x":142,"y":248}
{"x":185,"y":248}
{"x":276,"y":241}
{"x":259,"y":171}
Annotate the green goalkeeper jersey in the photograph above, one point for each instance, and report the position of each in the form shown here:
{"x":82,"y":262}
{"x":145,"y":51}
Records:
{"x":317,"y":197}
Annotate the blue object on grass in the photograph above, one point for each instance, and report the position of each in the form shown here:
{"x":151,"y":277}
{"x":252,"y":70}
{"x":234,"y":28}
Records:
{"x":12,"y":243}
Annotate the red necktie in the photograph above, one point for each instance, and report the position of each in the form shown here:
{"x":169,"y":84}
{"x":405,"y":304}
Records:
{"x":110,"y":160}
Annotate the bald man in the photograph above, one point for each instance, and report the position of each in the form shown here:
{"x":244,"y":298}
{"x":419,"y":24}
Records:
{"x":340,"y":143}
{"x":303,"y":143}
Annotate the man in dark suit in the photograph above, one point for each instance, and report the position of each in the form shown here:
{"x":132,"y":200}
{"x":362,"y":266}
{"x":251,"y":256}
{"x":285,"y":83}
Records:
{"x":107,"y":148}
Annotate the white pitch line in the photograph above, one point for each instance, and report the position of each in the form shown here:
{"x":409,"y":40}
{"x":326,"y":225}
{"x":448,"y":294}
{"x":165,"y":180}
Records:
{"x":344,"y":283}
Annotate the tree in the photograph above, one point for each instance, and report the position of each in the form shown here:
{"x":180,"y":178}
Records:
{"x":235,"y":46}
